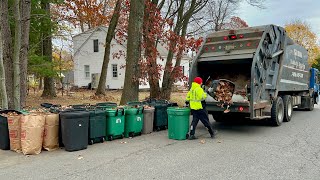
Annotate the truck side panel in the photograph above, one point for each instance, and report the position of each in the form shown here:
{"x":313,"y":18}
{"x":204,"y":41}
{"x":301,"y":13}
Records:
{"x":295,"y":74}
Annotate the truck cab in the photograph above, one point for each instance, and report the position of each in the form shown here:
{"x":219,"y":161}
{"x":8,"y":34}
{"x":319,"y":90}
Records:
{"x":314,"y":83}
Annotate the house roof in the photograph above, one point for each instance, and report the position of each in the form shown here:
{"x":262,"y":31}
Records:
{"x":163,"y":51}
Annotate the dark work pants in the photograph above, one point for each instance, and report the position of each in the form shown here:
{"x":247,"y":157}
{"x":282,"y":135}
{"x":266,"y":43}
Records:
{"x":201,"y":115}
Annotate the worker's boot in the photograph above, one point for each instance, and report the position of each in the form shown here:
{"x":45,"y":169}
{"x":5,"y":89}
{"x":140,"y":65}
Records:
{"x":213,"y":133}
{"x":192,"y":137}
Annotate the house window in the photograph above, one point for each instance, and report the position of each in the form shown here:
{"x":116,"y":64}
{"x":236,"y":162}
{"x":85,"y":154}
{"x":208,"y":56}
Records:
{"x":183,"y":70}
{"x":96,"y":45}
{"x":87,"y":71}
{"x":114,"y":70}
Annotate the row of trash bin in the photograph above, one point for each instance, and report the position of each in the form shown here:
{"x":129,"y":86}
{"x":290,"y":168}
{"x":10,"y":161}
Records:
{"x":85,"y":124}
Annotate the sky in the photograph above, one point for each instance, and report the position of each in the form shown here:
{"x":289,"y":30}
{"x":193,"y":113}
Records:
{"x":280,"y":12}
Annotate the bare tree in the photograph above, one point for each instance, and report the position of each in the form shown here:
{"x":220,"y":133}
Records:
{"x":25,"y":27}
{"x":131,"y":83}
{"x":49,"y":89}
{"x":111,"y":33}
{"x":3,"y":91}
{"x":16,"y":55}
{"x":7,"y":50}
{"x":217,"y":14}
{"x":183,"y":14}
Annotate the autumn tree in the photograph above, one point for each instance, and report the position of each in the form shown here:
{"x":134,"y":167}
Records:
{"x":110,"y":35}
{"x":131,"y":83}
{"x":235,"y":23}
{"x":86,"y":14}
{"x":62,"y":63}
{"x":302,"y":34}
{"x":177,"y":41}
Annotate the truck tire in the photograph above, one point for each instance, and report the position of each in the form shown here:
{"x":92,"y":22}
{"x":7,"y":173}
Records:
{"x":288,"y":108}
{"x":217,"y":117}
{"x":311,"y":104}
{"x":277,"y":112}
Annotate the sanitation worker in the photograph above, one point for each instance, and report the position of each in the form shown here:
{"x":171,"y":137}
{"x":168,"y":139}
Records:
{"x":195,"y":99}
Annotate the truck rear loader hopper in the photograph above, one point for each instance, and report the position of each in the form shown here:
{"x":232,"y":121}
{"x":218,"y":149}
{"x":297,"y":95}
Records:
{"x":270,"y":71}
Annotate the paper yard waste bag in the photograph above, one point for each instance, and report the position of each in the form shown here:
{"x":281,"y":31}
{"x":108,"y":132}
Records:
{"x":14,"y":132}
{"x":32,"y":127}
{"x":51,"y":132}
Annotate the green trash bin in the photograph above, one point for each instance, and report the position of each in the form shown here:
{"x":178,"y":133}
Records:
{"x":97,"y":126}
{"x":133,"y":121}
{"x":106,"y":105}
{"x":115,"y":123}
{"x":178,"y":123}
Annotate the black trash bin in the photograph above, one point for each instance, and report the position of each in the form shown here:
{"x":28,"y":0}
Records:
{"x":160,"y":114}
{"x":4,"y":130}
{"x":74,"y":129}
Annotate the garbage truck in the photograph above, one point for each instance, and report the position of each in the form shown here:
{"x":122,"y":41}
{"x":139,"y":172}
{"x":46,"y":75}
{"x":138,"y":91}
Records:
{"x":270,"y":72}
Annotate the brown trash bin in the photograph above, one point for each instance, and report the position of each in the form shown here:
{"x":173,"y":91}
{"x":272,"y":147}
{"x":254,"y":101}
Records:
{"x":32,"y":128}
{"x":148,"y":115}
{"x":15,"y":132}
{"x":51,"y":132}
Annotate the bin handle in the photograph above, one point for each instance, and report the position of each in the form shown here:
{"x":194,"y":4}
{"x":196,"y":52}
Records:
{"x":140,"y":109}
{"x":117,"y":113}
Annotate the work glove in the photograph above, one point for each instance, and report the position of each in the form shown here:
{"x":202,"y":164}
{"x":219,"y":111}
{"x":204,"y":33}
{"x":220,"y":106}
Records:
{"x":187,"y":103}
{"x":210,"y":90}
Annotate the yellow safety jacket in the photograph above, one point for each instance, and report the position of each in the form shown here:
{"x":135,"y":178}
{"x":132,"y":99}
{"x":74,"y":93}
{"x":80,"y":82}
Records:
{"x":195,"y":96}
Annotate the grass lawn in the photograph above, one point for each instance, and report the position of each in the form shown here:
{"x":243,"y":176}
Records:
{"x":87,"y":96}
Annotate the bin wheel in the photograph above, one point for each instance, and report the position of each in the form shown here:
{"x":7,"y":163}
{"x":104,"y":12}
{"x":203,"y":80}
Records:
{"x":102,"y":139}
{"x":158,"y":128}
{"x":122,"y":136}
{"x":91,"y":142}
{"x":110,"y":138}
{"x":131,"y":134}
{"x":187,"y":136}
{"x":165,"y":127}
{"x":140,"y":133}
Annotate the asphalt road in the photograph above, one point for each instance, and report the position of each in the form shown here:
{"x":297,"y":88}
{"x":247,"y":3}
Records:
{"x":247,"y":150}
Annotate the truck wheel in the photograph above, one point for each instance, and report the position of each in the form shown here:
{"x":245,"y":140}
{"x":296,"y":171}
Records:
{"x":311,"y":104}
{"x":288,"y":108}
{"x":217,"y":117}
{"x":277,"y":112}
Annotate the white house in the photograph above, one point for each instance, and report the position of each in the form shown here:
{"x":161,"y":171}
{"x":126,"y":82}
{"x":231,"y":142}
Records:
{"x":88,"y":59}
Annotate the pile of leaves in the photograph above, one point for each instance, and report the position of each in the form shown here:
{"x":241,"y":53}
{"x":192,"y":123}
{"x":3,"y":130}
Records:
{"x":224,"y":92}
{"x":9,"y":114}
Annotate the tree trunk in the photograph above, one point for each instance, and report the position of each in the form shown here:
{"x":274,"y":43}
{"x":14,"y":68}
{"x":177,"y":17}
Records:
{"x":16,"y":56}
{"x":167,"y":75}
{"x":150,"y":53}
{"x":40,"y":83}
{"x":7,"y":50}
{"x":111,"y":33}
{"x":180,"y":29}
{"x":3,"y":91}
{"x":49,"y":90}
{"x":25,"y":26}
{"x":131,"y":83}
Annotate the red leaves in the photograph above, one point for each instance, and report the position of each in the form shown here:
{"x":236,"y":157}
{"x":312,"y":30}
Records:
{"x":89,"y":13}
{"x":235,"y":23}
